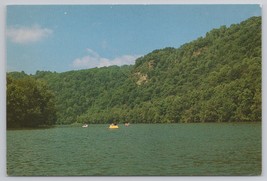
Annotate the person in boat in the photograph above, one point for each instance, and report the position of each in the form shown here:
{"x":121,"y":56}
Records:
{"x":85,"y":126}
{"x":113,"y":125}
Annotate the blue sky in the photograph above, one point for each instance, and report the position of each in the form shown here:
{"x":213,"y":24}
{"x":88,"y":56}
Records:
{"x":64,"y":37}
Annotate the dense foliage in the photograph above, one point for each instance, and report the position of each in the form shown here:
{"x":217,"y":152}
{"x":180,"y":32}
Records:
{"x":216,"y":78}
{"x":29,"y":103}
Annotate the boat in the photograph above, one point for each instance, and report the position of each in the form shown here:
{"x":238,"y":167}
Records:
{"x":85,"y":126}
{"x":126,"y":124}
{"x":113,"y":126}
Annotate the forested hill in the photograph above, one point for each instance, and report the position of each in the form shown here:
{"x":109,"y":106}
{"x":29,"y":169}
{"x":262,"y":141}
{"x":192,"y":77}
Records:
{"x":216,"y":78}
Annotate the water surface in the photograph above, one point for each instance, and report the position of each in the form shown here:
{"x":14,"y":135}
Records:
{"x":140,"y":149}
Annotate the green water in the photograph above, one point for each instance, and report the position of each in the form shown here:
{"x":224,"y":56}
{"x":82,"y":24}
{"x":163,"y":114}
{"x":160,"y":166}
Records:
{"x":140,"y":149}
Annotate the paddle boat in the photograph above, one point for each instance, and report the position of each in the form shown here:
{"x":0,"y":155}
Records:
{"x":113,"y":126}
{"x":85,"y":126}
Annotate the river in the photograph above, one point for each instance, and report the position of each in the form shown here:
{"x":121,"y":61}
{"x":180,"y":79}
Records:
{"x":140,"y":149}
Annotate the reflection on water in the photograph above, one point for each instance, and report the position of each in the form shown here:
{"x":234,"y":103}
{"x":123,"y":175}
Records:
{"x":141,"y":149}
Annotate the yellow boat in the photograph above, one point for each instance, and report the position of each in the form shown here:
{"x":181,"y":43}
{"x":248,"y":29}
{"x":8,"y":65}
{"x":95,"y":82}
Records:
{"x":113,"y":126}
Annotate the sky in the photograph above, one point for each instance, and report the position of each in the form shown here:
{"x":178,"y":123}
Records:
{"x":71,"y":37}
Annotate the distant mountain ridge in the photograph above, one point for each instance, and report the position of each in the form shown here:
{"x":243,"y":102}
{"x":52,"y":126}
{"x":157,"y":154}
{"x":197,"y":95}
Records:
{"x":216,"y":78}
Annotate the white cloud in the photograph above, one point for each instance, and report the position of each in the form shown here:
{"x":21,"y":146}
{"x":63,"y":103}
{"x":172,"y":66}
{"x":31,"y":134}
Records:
{"x":24,"y":35}
{"x":95,"y":60}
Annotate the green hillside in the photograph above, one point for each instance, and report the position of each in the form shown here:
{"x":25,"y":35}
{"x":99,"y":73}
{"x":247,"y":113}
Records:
{"x":216,"y":78}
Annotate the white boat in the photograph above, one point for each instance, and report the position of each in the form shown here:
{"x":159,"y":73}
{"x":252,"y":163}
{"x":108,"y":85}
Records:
{"x":85,"y":126}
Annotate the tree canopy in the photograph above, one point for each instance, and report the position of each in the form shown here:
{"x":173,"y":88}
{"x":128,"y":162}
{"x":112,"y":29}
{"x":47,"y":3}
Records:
{"x":29,"y":103}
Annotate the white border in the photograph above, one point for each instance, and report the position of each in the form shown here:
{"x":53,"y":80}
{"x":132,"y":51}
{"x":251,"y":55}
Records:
{"x":3,"y":3}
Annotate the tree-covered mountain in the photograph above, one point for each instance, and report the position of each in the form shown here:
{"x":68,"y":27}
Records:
{"x":216,"y":78}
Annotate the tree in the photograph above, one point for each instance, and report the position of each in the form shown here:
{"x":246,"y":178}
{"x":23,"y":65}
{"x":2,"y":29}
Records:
{"x":29,"y":103}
